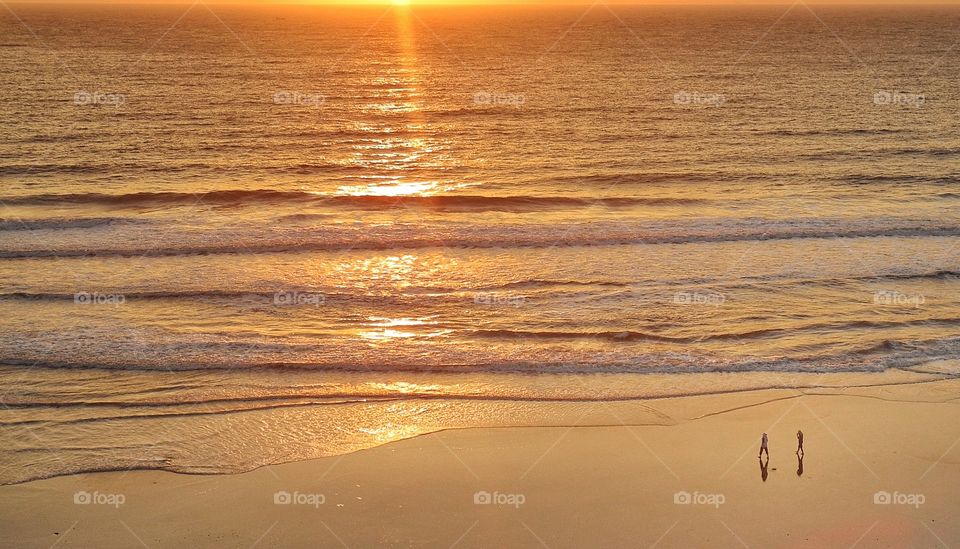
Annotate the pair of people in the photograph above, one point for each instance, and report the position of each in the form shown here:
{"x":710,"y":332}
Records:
{"x":763,"y":444}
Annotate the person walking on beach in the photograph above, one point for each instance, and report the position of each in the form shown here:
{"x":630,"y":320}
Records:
{"x":799,"y":441}
{"x":763,"y":446}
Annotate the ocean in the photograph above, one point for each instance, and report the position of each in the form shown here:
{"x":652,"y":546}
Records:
{"x":233,"y":236}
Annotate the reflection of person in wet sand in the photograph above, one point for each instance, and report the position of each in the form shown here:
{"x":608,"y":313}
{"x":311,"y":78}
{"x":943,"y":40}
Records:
{"x":763,"y":467}
{"x":763,"y":446}
{"x":799,"y":463}
{"x":799,"y":441}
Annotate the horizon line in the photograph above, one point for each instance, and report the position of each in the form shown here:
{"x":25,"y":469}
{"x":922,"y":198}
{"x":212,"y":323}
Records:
{"x":495,"y":3}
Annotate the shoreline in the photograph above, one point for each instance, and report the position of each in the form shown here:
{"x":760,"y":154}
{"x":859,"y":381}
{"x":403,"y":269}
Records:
{"x":402,"y":414}
{"x":604,"y":486}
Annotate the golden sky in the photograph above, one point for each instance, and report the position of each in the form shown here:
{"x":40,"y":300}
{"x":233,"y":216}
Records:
{"x":500,"y":2}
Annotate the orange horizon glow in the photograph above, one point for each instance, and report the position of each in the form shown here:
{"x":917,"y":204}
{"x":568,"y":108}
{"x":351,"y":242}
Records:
{"x":487,"y":3}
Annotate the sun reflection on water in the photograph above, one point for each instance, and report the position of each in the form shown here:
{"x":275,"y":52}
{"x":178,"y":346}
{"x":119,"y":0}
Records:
{"x":396,"y":95}
{"x":383,"y":321}
{"x":386,"y":333}
{"x":406,"y":387}
{"x":391,"y":431}
{"x":419,"y":188}
{"x":388,"y":328}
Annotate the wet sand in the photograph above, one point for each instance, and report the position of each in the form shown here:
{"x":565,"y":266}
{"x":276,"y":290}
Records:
{"x":695,"y":482}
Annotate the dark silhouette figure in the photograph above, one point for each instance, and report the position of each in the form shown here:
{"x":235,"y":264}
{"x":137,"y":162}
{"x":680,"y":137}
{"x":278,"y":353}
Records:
{"x":763,"y":446}
{"x":763,"y":468}
{"x":800,"y":442}
{"x":799,"y":465}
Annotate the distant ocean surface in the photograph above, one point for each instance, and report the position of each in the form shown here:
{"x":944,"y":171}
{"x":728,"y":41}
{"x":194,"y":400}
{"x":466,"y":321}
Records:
{"x":231,"y":236}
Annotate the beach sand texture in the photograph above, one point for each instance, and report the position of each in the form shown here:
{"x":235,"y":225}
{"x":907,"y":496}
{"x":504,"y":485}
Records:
{"x":615,"y":486}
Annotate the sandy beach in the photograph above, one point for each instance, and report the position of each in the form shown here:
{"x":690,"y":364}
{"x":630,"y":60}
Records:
{"x":694,"y":482}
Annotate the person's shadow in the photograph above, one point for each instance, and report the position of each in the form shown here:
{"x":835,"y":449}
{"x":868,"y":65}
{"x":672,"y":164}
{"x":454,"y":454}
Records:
{"x":763,"y":468}
{"x":799,"y":465}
